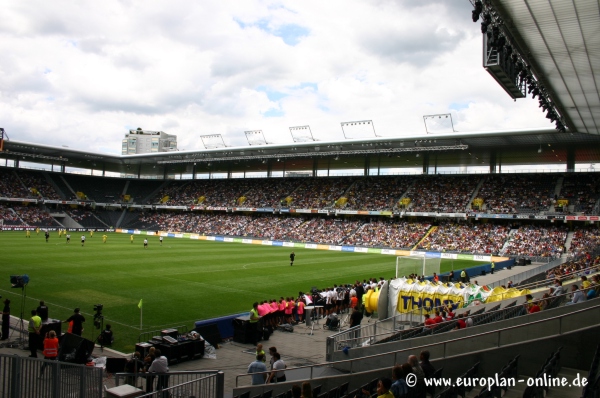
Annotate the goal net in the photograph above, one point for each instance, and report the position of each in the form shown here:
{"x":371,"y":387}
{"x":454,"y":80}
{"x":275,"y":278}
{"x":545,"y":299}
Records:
{"x":417,"y":264}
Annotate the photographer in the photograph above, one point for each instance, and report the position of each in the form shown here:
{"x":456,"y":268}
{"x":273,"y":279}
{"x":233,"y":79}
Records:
{"x":106,"y":338}
{"x":319,"y":301}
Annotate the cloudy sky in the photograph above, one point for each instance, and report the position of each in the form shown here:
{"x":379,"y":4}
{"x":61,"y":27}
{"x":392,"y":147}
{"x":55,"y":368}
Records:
{"x":83,"y":73}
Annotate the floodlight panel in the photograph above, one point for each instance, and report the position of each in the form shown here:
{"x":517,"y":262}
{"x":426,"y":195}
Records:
{"x":438,"y":124}
{"x":255,"y":137}
{"x":301,"y":134}
{"x":212,"y":141}
{"x":358,"y":129}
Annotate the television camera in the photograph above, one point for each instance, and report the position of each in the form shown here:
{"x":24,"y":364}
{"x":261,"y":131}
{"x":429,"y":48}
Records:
{"x":98,"y":317}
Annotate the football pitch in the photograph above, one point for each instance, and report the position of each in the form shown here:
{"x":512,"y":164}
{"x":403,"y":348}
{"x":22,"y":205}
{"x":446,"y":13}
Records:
{"x":180,"y":282}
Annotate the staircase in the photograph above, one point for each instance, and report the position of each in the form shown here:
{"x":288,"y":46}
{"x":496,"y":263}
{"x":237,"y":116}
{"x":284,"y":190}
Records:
{"x":125,"y":190}
{"x":51,"y":182}
{"x":475,"y":192}
{"x":568,"y":242}
{"x":505,"y":246}
{"x":68,"y":186}
{"x":405,"y":194}
{"x":431,"y":230}
{"x":557,"y":189}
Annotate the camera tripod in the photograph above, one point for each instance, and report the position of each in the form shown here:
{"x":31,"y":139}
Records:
{"x":21,"y":340}
{"x":99,"y":319}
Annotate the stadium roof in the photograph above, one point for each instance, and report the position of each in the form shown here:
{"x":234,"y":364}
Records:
{"x":445,"y":150}
{"x":559,"y":39}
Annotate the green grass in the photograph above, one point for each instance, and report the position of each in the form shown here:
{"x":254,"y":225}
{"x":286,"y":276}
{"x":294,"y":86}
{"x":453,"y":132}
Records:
{"x":180,"y":282}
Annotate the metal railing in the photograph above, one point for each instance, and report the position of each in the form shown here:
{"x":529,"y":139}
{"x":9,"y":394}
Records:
{"x":415,"y":317}
{"x":544,"y":328}
{"x":205,"y":384}
{"x":518,"y":278}
{"x":386,"y":328}
{"x":509,"y":311}
{"x":353,"y":338}
{"x":33,"y":378}
{"x":563,"y":278}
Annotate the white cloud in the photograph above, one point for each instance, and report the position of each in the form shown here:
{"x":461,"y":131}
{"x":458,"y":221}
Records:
{"x":82,"y":74}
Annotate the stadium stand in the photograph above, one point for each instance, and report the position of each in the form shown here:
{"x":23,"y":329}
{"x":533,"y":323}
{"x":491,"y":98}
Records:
{"x":33,"y":216}
{"x":9,"y":216}
{"x":536,"y":241}
{"x":441,"y":194}
{"x":267,"y":192}
{"x":374,"y":193}
{"x":36,"y":184}
{"x":582,"y":193}
{"x":584,"y":240}
{"x":142,"y":191}
{"x":521,"y":193}
{"x":86,"y":218}
{"x":453,"y":237}
{"x":109,"y":217}
{"x":318,"y":193}
{"x":11,"y":185}
{"x":388,"y":233}
{"x":99,"y":189}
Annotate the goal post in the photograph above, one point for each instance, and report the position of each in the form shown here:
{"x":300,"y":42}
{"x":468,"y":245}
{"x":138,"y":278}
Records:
{"x":419,"y":264}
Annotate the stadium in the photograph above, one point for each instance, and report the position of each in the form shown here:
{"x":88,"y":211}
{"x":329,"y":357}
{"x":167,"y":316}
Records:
{"x":189,"y":240}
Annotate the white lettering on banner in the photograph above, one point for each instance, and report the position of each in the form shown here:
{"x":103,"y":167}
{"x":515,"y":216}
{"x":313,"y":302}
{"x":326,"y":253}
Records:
{"x":267,"y":243}
{"x":193,"y":236}
{"x":227,"y":239}
{"x":336,"y":248}
{"x":361,"y":250}
{"x":179,"y":235}
{"x":288,"y":244}
{"x":388,"y":251}
{"x":210,"y":238}
{"x":482,"y":258}
{"x":450,"y":255}
{"x":310,"y":246}
{"x":246,"y":240}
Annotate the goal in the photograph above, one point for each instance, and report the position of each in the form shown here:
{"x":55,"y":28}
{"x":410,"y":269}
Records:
{"x":417,"y":264}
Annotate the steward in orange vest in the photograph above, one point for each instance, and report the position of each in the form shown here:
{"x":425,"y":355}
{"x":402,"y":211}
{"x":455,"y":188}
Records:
{"x":51,"y":345}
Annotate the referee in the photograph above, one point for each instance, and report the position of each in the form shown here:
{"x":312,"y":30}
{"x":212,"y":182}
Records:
{"x":292,"y":257}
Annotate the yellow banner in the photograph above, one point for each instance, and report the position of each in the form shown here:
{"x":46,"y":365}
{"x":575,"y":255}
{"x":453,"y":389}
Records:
{"x":427,"y":297}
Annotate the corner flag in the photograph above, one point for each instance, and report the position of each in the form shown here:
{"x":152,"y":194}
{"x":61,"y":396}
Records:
{"x":140,"y":307}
